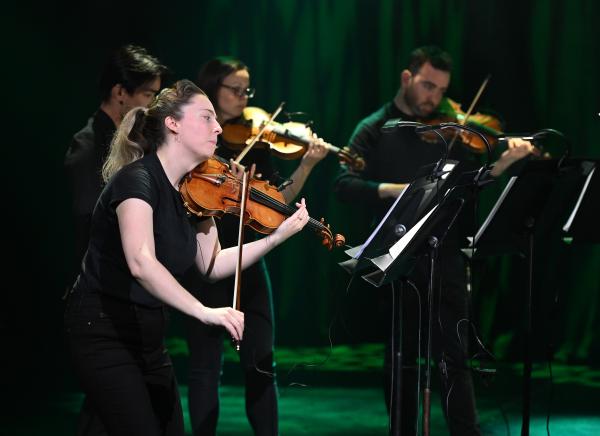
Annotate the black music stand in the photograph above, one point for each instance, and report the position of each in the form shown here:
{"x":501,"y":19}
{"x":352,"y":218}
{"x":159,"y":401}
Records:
{"x":524,"y":211}
{"x":415,"y":226}
{"x":413,"y":203}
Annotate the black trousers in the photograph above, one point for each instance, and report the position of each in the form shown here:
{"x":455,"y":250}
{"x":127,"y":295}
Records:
{"x":122,"y":364}
{"x":449,"y":344}
{"x":256,"y":355}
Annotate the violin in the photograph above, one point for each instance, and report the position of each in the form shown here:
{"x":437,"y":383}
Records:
{"x":451,"y":111}
{"x":287,"y":141}
{"x":211,"y":189}
{"x":487,"y":125}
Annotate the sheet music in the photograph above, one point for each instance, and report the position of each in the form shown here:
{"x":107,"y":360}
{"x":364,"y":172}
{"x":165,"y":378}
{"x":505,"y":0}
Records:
{"x":399,"y":246}
{"x":357,"y":253}
{"x":491,"y":215}
{"x":385,"y":260}
{"x":569,"y":222}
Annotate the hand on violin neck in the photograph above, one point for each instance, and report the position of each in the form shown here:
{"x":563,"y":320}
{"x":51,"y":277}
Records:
{"x":238,"y":169}
{"x":292,"y":225}
{"x":316,"y":151}
{"x":517,"y":150}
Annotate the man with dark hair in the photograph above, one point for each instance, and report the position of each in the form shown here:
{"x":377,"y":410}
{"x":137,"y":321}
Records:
{"x":439,"y":59}
{"x":392,"y":161}
{"x":131,"y":78}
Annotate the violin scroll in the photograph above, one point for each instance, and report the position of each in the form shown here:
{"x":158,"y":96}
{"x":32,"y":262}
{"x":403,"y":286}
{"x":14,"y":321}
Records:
{"x":329,"y":239}
{"x":351,"y":159}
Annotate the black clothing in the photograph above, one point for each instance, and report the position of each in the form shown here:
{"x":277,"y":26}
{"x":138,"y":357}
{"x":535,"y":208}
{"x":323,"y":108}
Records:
{"x":256,"y":350}
{"x":114,"y":326}
{"x":83,"y":164}
{"x":393,"y":157}
{"x":120,"y":359}
{"x":396,"y":157}
{"x":104,"y":267}
{"x":256,"y":355}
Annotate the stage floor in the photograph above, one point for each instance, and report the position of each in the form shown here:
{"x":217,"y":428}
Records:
{"x":342,"y":396}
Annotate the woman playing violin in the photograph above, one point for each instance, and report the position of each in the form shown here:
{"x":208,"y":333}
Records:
{"x":142,"y":244}
{"x":226,"y":81}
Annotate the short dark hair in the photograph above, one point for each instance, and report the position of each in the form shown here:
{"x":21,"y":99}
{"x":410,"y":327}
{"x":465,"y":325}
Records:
{"x":130,"y":66}
{"x":211,"y":74}
{"x":438,"y":58}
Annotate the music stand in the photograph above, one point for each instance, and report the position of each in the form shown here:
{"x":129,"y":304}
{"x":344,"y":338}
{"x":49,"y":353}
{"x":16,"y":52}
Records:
{"x":522,"y":212}
{"x":414,"y":226}
{"x":412,"y":204}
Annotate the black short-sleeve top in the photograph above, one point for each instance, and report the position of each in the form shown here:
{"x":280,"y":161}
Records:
{"x":105,"y":270}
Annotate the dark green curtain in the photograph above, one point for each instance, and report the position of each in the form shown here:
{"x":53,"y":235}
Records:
{"x":337,"y":61}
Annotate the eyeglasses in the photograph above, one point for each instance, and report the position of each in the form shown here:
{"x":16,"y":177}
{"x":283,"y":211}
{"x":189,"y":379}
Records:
{"x":239,"y":91}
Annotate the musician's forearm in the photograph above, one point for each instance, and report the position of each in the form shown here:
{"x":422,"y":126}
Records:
{"x":299,"y":178}
{"x":225,"y":261}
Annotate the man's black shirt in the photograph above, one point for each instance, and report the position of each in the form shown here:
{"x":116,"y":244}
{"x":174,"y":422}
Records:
{"x":83,"y":164}
{"x":396,"y":156}
{"x":390,"y":157}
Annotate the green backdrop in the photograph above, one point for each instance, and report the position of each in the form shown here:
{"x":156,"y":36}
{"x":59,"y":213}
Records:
{"x":338,"y":61}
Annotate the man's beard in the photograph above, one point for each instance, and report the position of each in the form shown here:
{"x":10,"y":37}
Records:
{"x":417,"y":110}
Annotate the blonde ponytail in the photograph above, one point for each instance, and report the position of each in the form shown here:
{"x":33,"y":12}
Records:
{"x":123,"y":150}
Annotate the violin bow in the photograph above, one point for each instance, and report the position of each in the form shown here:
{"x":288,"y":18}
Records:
{"x":254,"y":140}
{"x":237,"y":287}
{"x":471,"y":107}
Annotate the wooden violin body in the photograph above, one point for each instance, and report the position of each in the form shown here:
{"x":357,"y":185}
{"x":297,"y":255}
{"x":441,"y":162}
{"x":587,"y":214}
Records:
{"x":286,"y":141}
{"x":211,"y":190}
{"x":450,"y":111}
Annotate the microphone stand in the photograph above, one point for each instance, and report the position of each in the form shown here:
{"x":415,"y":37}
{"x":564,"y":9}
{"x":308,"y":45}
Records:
{"x":451,"y":125}
{"x":434,"y":245}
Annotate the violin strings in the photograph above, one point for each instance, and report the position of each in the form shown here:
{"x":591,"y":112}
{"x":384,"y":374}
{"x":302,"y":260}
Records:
{"x":282,"y":207}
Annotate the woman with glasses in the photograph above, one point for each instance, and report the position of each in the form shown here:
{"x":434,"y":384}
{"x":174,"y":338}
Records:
{"x":226,"y":81}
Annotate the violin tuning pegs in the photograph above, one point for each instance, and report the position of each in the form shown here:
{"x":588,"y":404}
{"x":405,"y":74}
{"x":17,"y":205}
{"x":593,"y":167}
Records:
{"x":340,"y":240}
{"x":327,"y":243}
